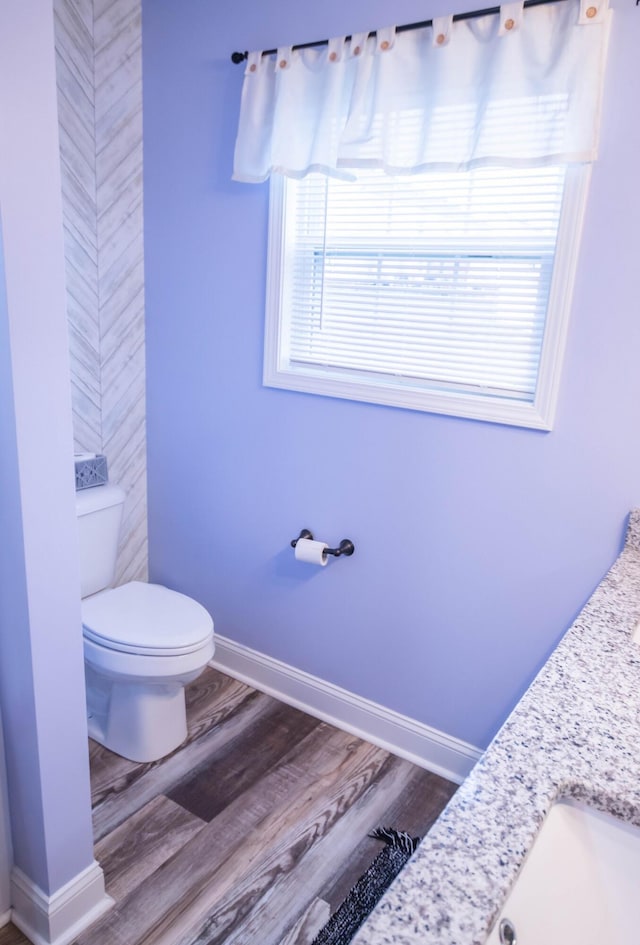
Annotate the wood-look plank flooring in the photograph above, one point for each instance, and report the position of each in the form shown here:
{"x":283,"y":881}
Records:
{"x":252,"y":832}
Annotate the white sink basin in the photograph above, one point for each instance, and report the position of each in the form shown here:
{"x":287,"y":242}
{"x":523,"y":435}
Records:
{"x":578,"y":884}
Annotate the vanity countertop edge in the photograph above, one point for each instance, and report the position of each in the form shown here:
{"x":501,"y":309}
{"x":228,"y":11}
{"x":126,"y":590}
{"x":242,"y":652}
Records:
{"x":575,"y":733}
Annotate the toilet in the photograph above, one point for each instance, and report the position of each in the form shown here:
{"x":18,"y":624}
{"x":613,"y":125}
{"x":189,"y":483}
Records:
{"x":142,"y":642}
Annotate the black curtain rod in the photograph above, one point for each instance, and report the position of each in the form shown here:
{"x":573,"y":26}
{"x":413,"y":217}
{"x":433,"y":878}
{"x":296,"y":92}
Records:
{"x":238,"y":57}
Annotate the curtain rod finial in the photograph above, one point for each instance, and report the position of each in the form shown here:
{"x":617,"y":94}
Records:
{"x":238,"y":57}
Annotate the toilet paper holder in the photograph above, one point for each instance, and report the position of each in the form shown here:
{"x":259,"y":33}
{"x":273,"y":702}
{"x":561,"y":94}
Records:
{"x":346,"y":546}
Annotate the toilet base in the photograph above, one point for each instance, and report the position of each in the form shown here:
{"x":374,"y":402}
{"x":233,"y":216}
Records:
{"x":137,"y":720}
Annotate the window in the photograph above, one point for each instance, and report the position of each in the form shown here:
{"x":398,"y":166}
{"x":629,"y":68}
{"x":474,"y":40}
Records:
{"x":446,"y":292}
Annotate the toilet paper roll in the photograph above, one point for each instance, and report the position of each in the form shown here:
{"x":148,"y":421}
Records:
{"x":313,"y":552}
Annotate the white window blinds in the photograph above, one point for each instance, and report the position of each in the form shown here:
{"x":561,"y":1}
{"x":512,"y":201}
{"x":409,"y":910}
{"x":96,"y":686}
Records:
{"x":441,"y":280}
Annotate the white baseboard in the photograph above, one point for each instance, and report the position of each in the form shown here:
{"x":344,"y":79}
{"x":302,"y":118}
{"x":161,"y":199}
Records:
{"x":418,"y":743}
{"x":5,"y":918}
{"x":59,"y":918}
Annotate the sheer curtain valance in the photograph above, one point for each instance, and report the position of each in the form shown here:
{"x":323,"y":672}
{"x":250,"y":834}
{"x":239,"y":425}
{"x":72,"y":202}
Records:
{"x":520,"y":89}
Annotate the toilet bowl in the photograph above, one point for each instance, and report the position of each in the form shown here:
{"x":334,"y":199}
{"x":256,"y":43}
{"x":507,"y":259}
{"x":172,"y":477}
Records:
{"x":142,"y":643}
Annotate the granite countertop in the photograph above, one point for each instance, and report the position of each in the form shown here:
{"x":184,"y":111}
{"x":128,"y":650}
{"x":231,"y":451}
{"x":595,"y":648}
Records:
{"x":575,"y":733}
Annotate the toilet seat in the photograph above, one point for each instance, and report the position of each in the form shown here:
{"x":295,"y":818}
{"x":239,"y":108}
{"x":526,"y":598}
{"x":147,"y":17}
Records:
{"x":146,"y":619}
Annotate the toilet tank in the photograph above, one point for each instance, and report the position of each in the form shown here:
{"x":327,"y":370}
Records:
{"x":99,"y":512}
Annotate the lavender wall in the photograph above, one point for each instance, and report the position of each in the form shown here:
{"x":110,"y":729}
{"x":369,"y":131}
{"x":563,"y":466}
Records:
{"x":11,"y":567}
{"x":476,"y":544}
{"x":6,"y":852}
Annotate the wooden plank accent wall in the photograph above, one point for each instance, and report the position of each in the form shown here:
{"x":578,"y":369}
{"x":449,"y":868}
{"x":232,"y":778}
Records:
{"x":99,"y":67}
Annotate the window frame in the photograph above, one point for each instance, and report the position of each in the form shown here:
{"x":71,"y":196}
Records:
{"x":538,"y":414}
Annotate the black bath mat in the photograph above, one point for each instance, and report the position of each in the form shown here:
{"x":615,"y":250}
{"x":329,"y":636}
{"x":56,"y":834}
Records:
{"x":350,"y":915}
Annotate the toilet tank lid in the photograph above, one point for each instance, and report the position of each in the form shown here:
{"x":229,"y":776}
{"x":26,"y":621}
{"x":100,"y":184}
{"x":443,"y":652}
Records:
{"x":99,"y":497}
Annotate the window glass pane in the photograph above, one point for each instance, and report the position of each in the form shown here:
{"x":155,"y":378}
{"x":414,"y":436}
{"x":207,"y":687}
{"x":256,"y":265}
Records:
{"x":439,"y":279}
{"x":439,"y":283}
